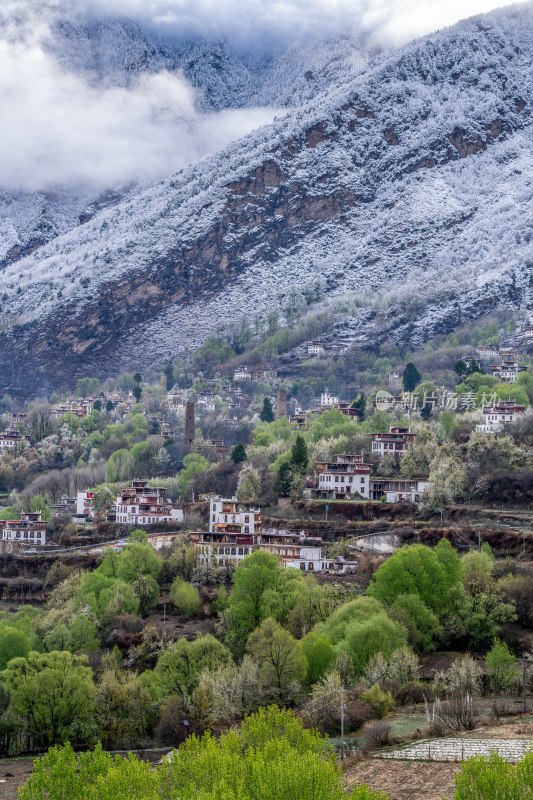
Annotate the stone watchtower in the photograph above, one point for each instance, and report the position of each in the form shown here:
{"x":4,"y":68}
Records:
{"x":281,"y":404}
{"x":188,"y":436}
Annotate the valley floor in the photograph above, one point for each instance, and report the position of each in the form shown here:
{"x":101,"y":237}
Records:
{"x":429,"y":780}
{"x":406,"y":780}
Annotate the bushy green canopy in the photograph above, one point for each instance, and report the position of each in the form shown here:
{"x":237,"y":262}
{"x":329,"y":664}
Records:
{"x":417,"y":569}
{"x":272,"y":757}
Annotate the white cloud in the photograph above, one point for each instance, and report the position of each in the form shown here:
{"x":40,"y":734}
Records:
{"x":246,"y":21}
{"x":57,"y":129}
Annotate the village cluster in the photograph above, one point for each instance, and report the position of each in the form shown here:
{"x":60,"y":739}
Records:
{"x":234,"y":529}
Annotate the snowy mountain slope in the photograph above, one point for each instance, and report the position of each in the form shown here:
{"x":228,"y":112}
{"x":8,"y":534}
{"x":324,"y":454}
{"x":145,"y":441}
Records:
{"x":117,"y":53}
{"x":410,"y":184}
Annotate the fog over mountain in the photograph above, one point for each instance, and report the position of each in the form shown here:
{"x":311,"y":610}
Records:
{"x":103,"y":93}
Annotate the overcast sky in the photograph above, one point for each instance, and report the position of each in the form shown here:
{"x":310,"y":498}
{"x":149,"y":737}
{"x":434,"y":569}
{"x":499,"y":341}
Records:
{"x":398,"y":20}
{"x":58,"y":128}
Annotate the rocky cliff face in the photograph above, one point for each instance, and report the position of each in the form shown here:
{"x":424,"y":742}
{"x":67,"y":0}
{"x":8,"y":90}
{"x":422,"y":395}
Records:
{"x":407,"y":185}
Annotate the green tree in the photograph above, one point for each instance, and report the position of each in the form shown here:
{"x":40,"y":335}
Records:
{"x":181,"y":562}
{"x":41,"y":502}
{"x":360,"y":404}
{"x":255,"y":574}
{"x":501,"y":666}
{"x":447,"y":422}
{"x":280,"y":601}
{"x":379,"y":634}
{"x":460,"y":368}
{"x":54,"y":694}
{"x":410,"y":377}
{"x":83,"y":635}
{"x":449,"y":559}
{"x":193,"y":464}
{"x":314,"y":603}
{"x":221,"y":602}
{"x":267,"y":412}
{"x":124,"y":708}
{"x":109,"y":565}
{"x":118,"y":466}
{"x":320,"y":655}
{"x":13,"y":643}
{"x":280,"y":659}
{"x":422,"y":625}
{"x":103,"y":498}
{"x":299,"y":455}
{"x":169,"y":372}
{"x":138,"y":559}
{"x":478,"y":610}
{"x":414,"y":569}
{"x":477,"y":561}
{"x":57,"y":639}
{"x":238,"y":454}
{"x":147,"y":591}
{"x":249,"y":484}
{"x":185,"y":598}
{"x":179,"y":667}
{"x":105,"y":597}
{"x":336,"y":625}
{"x":87,"y":386}
{"x":285,"y":478}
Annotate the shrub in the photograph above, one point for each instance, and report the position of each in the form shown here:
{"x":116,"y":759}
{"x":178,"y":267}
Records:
{"x":356,"y":714}
{"x":186,"y":598}
{"x":170,"y":730}
{"x":501,"y":666}
{"x":272,"y":757}
{"x":463,"y":677}
{"x":493,"y":777}
{"x":457,"y":715}
{"x":412,"y":693}
{"x":381,"y":702}
{"x":376,"y":736}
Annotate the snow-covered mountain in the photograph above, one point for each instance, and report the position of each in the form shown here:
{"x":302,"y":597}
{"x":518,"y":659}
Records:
{"x":406,"y":180}
{"x":114,"y":54}
{"x":117,"y":51}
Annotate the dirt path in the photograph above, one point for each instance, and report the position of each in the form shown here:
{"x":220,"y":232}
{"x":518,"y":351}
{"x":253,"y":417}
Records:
{"x":415,"y":780}
{"x":15,"y":774}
